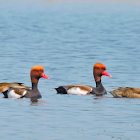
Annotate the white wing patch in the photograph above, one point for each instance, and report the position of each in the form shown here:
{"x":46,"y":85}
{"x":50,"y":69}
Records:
{"x":13,"y":95}
{"x":77,"y":90}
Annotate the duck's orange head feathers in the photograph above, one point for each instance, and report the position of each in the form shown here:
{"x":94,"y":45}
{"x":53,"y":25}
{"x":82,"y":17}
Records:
{"x":99,"y":65}
{"x":37,"y":72}
{"x":37,"y":68}
{"x":100,"y":69}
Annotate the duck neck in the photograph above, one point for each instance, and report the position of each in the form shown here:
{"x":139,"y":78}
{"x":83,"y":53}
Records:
{"x":34,"y":86}
{"x":97,"y":78}
{"x":98,"y":83}
{"x":99,"y":90}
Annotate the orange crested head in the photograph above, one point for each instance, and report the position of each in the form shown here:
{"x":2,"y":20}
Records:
{"x":37,"y":68}
{"x":99,"y":65}
{"x":100,"y":69}
{"x":37,"y":72}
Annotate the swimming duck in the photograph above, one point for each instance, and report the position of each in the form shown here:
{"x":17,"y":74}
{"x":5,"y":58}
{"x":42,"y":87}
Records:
{"x":6,"y":86}
{"x":128,"y":92}
{"x":36,"y":73}
{"x":99,"y":69}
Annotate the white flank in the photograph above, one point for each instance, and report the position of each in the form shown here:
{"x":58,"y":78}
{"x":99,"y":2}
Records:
{"x":24,"y":93}
{"x":77,"y":90}
{"x":13,"y":95}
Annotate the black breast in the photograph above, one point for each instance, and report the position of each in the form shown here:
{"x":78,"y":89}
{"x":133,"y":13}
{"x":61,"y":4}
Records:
{"x":33,"y":94}
{"x":99,"y":90}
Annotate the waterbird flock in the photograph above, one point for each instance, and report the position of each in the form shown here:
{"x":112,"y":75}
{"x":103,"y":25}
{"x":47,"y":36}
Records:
{"x":18,"y":90}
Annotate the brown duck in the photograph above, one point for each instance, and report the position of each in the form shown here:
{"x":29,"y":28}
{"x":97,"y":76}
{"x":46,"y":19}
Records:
{"x":5,"y":86}
{"x":99,"y":69}
{"x":128,"y":92}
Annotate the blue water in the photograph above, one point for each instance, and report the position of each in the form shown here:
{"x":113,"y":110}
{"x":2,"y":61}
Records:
{"x":67,"y":38}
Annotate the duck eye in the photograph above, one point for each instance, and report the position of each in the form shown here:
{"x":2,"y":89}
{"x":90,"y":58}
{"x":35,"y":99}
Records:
{"x":103,"y":68}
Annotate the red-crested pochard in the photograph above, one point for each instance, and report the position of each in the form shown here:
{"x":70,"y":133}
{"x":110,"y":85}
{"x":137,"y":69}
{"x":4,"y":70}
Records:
{"x":128,"y":92}
{"x":99,"y":69}
{"x":6,"y":86}
{"x":36,"y":73}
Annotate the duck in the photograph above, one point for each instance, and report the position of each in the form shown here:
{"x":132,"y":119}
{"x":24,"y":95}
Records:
{"x":127,"y":92}
{"x":36,"y":73}
{"x":6,"y":86}
{"x":99,"y":69}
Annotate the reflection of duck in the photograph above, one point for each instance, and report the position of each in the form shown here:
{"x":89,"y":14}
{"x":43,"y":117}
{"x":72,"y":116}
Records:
{"x":98,"y":71}
{"x":36,"y":73}
{"x":6,"y":86}
{"x":128,"y":92}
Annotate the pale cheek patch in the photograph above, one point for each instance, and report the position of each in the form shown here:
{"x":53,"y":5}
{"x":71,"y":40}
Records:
{"x":77,"y":90}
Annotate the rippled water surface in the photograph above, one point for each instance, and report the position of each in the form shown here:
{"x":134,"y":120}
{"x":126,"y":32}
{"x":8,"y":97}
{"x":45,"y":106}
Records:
{"x":67,"y":38}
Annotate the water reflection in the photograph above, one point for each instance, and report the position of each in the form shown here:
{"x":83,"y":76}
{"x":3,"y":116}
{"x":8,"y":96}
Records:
{"x":97,"y":97}
{"x":37,"y":102}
